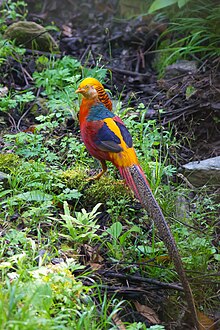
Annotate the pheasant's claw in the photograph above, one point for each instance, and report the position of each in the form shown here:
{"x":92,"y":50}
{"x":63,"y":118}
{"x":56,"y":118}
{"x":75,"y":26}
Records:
{"x":98,"y":176}
{"x":92,"y":178}
{"x":122,"y":182}
{"x":95,"y":177}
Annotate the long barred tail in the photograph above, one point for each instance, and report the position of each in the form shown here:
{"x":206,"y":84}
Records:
{"x":136,"y":180}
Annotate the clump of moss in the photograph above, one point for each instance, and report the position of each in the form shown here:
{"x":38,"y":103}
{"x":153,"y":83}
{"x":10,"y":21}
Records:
{"x":8,"y":162}
{"x":106,"y":189}
{"x":98,"y":191}
{"x":74,"y":179}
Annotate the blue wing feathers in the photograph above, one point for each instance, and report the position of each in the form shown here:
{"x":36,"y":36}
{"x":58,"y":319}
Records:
{"x":107,"y":140}
{"x":125,"y":134}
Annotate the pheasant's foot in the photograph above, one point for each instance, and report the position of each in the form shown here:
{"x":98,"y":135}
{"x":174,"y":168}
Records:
{"x":95,"y":177}
{"x":98,"y":176}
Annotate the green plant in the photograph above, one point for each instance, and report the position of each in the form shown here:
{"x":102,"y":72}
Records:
{"x":100,"y":316}
{"x":34,"y":191}
{"x":37,"y":302}
{"x":7,"y":49}
{"x":159,"y":4}
{"x":82,"y":227}
{"x":121,"y":209}
{"x":198,"y":252}
{"x":16,"y":100}
{"x":32,"y":146}
{"x":195,"y":34}
{"x":12,"y":10}
{"x":59,"y":78}
{"x":119,"y":242}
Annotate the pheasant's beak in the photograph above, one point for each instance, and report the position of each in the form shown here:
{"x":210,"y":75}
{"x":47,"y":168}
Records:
{"x":80,"y":90}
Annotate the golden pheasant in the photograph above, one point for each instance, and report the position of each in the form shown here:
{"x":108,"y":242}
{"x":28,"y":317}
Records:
{"x":107,"y":139}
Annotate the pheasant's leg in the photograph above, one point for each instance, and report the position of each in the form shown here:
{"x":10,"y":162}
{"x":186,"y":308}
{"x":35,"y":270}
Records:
{"x":98,"y":176}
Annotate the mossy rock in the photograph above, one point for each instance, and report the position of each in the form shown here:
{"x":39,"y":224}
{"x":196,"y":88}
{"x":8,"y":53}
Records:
{"x":31,"y":35}
{"x":98,"y":191}
{"x":8,"y":162}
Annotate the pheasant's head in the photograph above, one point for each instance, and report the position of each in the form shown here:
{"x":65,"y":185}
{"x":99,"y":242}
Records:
{"x":102,"y":95}
{"x":88,"y":91}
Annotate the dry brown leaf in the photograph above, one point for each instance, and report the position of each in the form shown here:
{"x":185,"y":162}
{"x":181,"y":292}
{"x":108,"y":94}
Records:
{"x":94,"y":258}
{"x":30,"y":129}
{"x":95,"y":266}
{"x":205,"y":321}
{"x":147,"y":312}
{"x":163,"y":259}
{"x":118,"y":322}
{"x":67,"y":31}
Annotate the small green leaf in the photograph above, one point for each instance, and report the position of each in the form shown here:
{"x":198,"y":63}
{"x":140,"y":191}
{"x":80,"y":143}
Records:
{"x":34,"y":196}
{"x":217,"y":257}
{"x":159,"y":4}
{"x":190,"y":91}
{"x":115,"y":229}
{"x":182,"y":3}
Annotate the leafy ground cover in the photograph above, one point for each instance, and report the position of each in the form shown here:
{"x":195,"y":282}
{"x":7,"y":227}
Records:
{"x":79,"y":255}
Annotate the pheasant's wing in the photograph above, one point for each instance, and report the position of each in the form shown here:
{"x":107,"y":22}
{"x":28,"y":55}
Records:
{"x":110,"y":133}
{"x":113,"y":136}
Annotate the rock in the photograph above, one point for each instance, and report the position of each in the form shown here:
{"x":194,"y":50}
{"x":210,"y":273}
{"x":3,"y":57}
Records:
{"x":180,"y":67}
{"x":4,"y":179}
{"x":3,"y":91}
{"x":31,"y":35}
{"x":204,"y":172}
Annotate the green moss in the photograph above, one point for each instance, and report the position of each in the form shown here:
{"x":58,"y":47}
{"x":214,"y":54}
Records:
{"x":106,"y":189}
{"x":98,"y":191}
{"x":74,"y":179}
{"x":8,"y":162}
{"x":31,"y":35}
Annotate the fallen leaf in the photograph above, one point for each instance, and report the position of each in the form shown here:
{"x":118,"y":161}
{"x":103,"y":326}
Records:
{"x":30,"y":129}
{"x":147,"y":312}
{"x":206,"y":322}
{"x":118,"y":322}
{"x":93,"y":258}
{"x":95,"y":266}
{"x":67,"y":31}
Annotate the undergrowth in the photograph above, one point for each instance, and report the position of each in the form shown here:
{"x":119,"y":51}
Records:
{"x":195,"y":33}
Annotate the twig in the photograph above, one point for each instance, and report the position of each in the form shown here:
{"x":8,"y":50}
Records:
{"x":40,"y":52}
{"x":85,"y":53}
{"x":181,"y":176}
{"x":25,"y":72}
{"x":20,"y":119}
{"x":12,"y":120}
{"x":129,"y":73}
{"x":140,"y":279}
